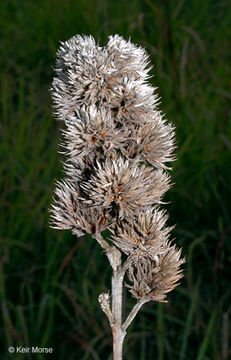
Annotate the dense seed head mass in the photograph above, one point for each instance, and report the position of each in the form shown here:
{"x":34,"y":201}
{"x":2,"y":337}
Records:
{"x":118,"y":147}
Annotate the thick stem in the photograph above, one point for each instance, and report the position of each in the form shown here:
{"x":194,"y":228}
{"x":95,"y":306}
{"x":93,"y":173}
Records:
{"x":117,"y":332}
{"x":118,"y":339}
{"x":114,"y":315}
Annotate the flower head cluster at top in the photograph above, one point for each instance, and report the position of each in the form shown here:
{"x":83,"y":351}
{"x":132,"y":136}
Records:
{"x":117,"y":145}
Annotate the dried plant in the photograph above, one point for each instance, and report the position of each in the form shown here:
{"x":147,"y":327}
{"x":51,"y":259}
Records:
{"x":117,"y":145}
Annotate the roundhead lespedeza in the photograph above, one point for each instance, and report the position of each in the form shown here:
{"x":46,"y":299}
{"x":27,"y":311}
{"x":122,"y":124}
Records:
{"x":117,"y":144}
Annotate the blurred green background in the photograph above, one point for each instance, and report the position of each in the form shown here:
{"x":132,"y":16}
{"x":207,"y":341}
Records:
{"x":50,"y":280}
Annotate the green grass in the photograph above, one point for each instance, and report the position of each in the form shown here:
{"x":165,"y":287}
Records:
{"x":49,"y":280}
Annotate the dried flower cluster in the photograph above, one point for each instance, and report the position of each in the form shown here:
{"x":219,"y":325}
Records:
{"x":117,"y":145}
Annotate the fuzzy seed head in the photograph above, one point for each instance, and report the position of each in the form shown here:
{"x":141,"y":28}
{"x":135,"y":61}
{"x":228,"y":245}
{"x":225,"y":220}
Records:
{"x":117,"y":146}
{"x":125,"y":186}
{"x":146,"y":233}
{"x":152,"y":279}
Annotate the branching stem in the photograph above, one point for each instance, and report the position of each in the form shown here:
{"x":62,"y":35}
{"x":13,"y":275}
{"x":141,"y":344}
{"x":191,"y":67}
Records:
{"x":133,"y":313}
{"x":114,"y":312}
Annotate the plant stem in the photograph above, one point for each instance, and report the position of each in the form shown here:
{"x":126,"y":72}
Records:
{"x":118,"y":339}
{"x":115,"y":314}
{"x":117,"y":332}
{"x":133,"y":313}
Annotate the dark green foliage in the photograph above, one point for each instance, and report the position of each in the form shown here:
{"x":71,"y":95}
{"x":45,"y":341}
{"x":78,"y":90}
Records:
{"x":49,"y":280}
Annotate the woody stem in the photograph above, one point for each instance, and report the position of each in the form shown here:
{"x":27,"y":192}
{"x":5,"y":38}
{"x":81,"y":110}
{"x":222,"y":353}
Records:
{"x":117,"y":332}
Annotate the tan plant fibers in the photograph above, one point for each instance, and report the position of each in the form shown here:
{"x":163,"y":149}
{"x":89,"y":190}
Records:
{"x":117,"y":144}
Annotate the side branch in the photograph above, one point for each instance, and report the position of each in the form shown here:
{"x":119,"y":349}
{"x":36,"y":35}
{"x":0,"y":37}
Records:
{"x":103,"y":243}
{"x":133,"y":313}
{"x":127,"y":264}
{"x":104,"y":302}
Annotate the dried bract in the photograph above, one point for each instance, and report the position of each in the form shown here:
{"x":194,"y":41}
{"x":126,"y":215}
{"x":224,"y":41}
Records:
{"x":90,"y":131}
{"x":146,"y":233}
{"x":124,"y":187}
{"x":89,"y":74}
{"x":153,"y":279}
{"x":154,"y":143}
{"x":70,"y":212}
